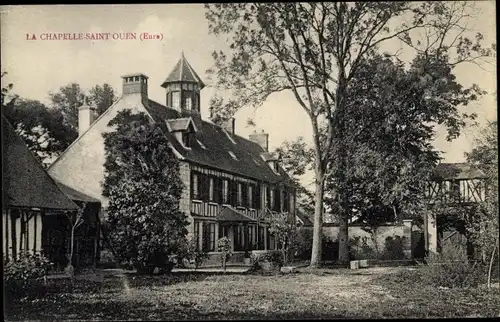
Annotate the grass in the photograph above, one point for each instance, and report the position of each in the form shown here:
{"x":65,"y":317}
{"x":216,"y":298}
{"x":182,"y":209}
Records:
{"x":322,"y":293}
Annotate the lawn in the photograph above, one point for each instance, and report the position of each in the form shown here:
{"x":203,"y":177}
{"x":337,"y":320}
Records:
{"x":339,"y":293}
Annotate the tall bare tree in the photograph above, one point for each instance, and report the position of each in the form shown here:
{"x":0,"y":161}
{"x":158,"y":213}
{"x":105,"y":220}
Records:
{"x":315,"y":50}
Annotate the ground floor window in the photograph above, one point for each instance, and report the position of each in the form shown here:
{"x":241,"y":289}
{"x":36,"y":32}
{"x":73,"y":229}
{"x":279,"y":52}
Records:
{"x":271,"y":241}
{"x":208,"y":237}
{"x":239,"y":238}
{"x":260,"y":243}
{"x":196,"y":233}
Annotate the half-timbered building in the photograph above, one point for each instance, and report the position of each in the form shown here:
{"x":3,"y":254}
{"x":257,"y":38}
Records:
{"x":230,"y":182}
{"x":35,"y":209}
{"x":453,"y":186}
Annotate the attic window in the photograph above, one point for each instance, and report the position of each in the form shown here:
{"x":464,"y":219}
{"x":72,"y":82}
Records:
{"x":186,"y":139}
{"x":232,"y":155}
{"x":201,"y":144}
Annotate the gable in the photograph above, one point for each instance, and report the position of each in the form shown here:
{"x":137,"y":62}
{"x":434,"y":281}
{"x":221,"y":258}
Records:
{"x":81,"y":166}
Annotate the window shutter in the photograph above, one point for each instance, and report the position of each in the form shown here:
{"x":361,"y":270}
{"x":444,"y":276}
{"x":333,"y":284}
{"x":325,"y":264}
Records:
{"x":205,"y":186}
{"x":233,"y":190}
{"x":256,"y":198}
{"x":277,"y":199}
{"x":268,"y":197}
{"x":244,"y":195}
{"x":191,"y":182}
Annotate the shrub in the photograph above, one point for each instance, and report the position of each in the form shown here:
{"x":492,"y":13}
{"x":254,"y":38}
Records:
{"x":224,"y":246}
{"x":191,"y":253}
{"x":451,"y":268}
{"x":329,"y":248}
{"x":23,"y":277}
{"x":394,"y":248}
{"x":359,"y":249}
{"x":271,"y":260}
{"x":303,"y":246}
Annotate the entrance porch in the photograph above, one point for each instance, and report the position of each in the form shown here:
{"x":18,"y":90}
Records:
{"x":247,"y":236}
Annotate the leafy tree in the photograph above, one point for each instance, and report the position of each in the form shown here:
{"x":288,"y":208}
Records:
{"x":317,"y":51}
{"x":41,"y":128}
{"x":70,"y":97}
{"x":297,"y":158}
{"x":284,"y":231}
{"x":102,"y":97}
{"x":67,"y":100}
{"x":484,"y":228}
{"x":143,"y":185}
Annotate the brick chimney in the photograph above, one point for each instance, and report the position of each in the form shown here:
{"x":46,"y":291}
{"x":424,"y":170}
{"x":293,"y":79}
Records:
{"x":135,"y":84}
{"x":261,"y":139}
{"x":229,"y":125}
{"x":85,"y":117}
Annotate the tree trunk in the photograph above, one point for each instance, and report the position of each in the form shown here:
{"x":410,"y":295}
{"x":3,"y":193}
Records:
{"x":318,"y":219}
{"x":491,"y":263}
{"x":343,"y":238}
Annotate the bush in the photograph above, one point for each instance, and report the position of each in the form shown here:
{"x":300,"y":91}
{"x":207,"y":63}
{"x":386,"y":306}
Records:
{"x":329,"y":249}
{"x":303,"y":244}
{"x":191,"y":254}
{"x":270,"y":260}
{"x":394,"y":248}
{"x":452,"y":269}
{"x":24,"y":276}
{"x":359,"y":249}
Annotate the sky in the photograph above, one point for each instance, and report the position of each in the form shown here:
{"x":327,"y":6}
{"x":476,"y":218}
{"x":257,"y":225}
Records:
{"x":37,"y":67}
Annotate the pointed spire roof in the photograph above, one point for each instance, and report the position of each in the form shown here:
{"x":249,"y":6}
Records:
{"x":183,"y":72}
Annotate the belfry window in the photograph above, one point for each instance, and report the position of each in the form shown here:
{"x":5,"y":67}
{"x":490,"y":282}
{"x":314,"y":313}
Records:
{"x":188,"y":103}
{"x":176,"y":100}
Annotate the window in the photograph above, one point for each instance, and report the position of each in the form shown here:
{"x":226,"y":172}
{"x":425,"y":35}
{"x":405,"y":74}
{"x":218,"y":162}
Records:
{"x":223,"y":231}
{"x":186,"y":139}
{"x":271,"y":201}
{"x":195,"y":189}
{"x":225,"y":191}
{"x":176,"y":100}
{"x":283,"y":201}
{"x":260,"y":232}
{"x":208,"y":237}
{"x":196,"y":224}
{"x":240,"y":194}
{"x":188,"y":104}
{"x":211,"y":190}
{"x":276,"y":167}
{"x":250,"y":196}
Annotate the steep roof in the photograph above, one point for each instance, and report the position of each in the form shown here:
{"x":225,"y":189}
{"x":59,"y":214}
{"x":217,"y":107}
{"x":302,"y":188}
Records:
{"x":304,"y":218}
{"x":24,"y":181}
{"x":457,"y":171}
{"x":183,"y":72}
{"x":74,"y":194}
{"x":217,"y":144}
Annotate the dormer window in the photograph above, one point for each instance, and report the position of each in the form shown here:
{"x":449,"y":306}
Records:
{"x":186,"y":139}
{"x":276,"y":166}
{"x":184,"y":130}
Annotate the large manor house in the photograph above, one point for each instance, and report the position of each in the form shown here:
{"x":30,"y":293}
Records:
{"x":230,"y":182}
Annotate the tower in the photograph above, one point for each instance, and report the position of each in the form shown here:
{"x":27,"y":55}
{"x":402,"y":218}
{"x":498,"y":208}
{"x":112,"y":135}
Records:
{"x":182,"y":88}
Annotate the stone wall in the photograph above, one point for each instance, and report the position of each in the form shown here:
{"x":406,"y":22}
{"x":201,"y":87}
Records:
{"x":185,"y":202}
{"x":362,"y":241}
